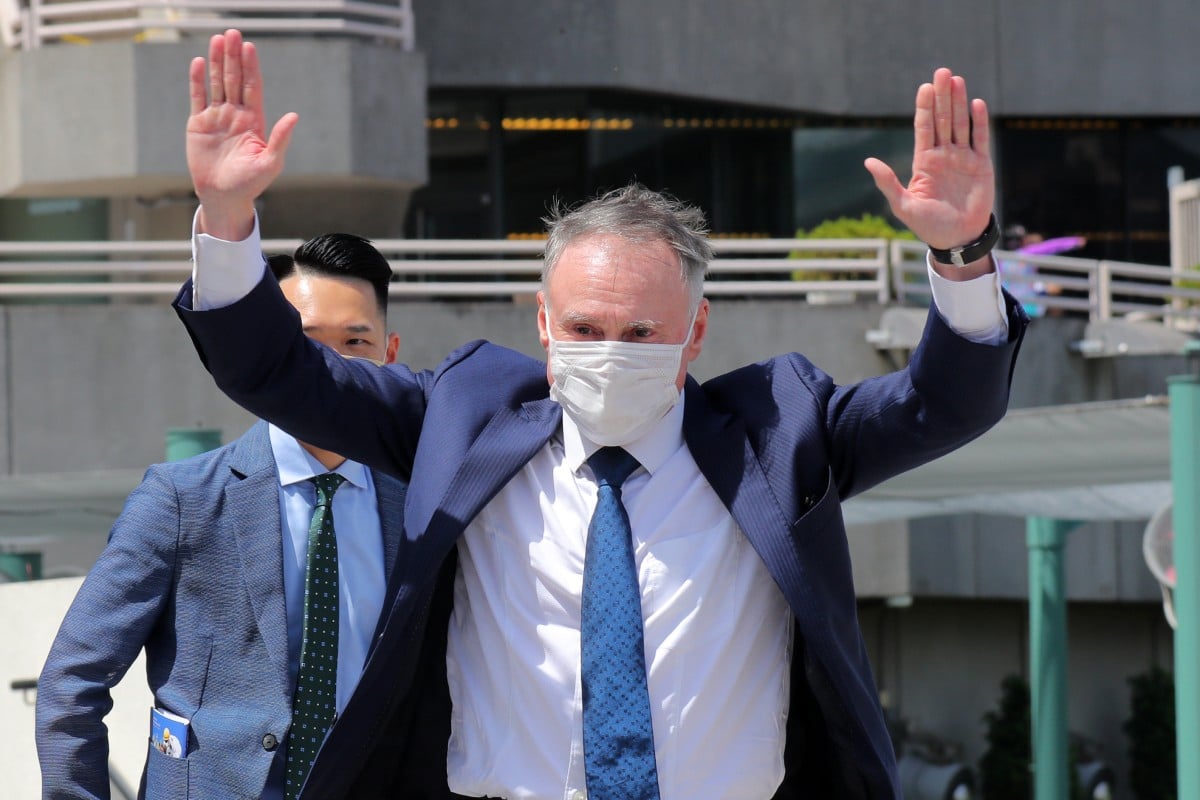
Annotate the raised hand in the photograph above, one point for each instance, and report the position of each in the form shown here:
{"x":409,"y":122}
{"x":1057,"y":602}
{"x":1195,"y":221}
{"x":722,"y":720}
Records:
{"x":229,"y":157}
{"x":949,"y":199}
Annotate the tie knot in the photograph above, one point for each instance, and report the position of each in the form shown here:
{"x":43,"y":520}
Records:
{"x":327,"y":484}
{"x":612,"y":465}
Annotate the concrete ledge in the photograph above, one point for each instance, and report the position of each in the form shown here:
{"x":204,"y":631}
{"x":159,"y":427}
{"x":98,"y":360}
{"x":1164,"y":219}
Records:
{"x":107,"y":119}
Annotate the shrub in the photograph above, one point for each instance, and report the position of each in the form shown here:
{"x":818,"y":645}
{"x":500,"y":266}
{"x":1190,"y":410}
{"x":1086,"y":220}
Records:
{"x":1004,"y":769}
{"x":1151,"y":732}
{"x":868,"y":226}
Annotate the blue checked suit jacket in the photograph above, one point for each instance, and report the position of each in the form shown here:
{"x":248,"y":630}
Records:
{"x":193,"y":572}
{"x":779,"y":442}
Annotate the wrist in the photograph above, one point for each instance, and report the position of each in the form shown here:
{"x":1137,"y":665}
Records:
{"x":972,"y":252}
{"x":230,"y":222}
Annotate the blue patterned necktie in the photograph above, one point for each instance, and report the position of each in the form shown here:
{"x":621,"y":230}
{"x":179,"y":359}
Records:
{"x":618,"y":741}
{"x":315,"y":704}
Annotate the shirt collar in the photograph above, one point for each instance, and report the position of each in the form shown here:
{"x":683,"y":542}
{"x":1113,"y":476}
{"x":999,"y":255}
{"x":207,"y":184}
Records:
{"x":296,"y":465}
{"x":652,"y":450}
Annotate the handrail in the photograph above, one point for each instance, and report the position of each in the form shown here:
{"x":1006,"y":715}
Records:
{"x":851,"y":268}
{"x":833,"y":270}
{"x":1100,"y":288}
{"x":30,"y":24}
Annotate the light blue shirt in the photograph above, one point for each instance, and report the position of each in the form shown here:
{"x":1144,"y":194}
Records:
{"x":361,"y":578}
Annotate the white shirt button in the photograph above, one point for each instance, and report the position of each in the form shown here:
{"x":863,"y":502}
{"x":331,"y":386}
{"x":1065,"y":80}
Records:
{"x":578,"y":794}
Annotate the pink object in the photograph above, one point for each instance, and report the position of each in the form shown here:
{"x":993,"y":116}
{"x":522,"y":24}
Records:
{"x":1049,"y":247}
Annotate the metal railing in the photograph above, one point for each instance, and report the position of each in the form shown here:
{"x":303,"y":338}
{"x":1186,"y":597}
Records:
{"x":424,"y":268}
{"x":29,"y":24}
{"x":1099,"y":289}
{"x":820,"y":270}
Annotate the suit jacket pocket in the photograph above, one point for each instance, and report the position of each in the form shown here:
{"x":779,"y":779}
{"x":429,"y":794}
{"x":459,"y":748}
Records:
{"x":166,"y":776}
{"x":814,"y":507}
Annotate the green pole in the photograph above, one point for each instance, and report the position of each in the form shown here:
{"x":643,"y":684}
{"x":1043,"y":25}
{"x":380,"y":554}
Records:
{"x":187,"y":442}
{"x":1184,"y":394}
{"x":1045,"y":539}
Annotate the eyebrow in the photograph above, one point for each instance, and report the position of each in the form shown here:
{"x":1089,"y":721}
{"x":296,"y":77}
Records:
{"x":573,"y":317}
{"x":353,"y":328}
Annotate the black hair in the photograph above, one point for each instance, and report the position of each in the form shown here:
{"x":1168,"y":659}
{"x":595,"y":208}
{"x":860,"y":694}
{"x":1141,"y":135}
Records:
{"x":337,"y":255}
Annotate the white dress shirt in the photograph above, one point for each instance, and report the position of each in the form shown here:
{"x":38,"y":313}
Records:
{"x":717,"y":629}
{"x":361,"y":579}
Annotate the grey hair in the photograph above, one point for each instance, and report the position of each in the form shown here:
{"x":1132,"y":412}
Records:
{"x":636,"y":214}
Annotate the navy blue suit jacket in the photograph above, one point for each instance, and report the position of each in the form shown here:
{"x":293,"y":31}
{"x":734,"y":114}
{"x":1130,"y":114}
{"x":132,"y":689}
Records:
{"x":193,"y":572}
{"x":779,"y":442}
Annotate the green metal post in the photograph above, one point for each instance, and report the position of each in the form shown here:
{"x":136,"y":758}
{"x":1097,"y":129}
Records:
{"x":1046,"y":539}
{"x":1184,"y":394}
{"x":187,"y":442}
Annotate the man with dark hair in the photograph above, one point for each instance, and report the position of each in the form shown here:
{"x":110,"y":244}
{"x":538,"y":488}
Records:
{"x":222,"y":567}
{"x":653,"y":596}
{"x":338,"y":255}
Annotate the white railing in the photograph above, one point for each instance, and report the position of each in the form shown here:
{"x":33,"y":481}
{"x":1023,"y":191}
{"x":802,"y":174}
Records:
{"x":29,"y":24}
{"x":1100,"y":290}
{"x":849,"y":269}
{"x":834,"y":270}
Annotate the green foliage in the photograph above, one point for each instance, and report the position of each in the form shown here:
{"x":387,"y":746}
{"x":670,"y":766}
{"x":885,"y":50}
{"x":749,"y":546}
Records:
{"x":1004,"y":769}
{"x":1151,"y":732}
{"x":1183,"y":283}
{"x":868,"y":226}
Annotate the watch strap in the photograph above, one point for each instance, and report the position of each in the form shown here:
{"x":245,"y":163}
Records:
{"x":972,"y":251}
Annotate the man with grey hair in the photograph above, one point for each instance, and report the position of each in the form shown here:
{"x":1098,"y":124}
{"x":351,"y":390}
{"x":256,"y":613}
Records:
{"x":649,"y":587}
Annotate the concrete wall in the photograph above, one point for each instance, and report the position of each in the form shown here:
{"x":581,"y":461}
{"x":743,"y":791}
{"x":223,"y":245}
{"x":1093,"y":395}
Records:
{"x":1108,"y":57}
{"x":107,"y":119}
{"x":88,"y":387}
{"x":94,"y":387}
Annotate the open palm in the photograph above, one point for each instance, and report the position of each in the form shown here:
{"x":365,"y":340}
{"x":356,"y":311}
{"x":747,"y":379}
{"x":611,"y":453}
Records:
{"x":230,"y":159}
{"x":949,"y":199}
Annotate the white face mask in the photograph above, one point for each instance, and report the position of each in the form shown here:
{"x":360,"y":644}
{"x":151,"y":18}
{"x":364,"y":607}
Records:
{"x":615,"y":391}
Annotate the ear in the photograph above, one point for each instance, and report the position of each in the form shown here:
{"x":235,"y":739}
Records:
{"x":699,"y":330}
{"x":393,"y":346}
{"x":543,"y":322}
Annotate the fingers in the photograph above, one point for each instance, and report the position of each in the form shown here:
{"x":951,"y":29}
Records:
{"x":960,"y":111}
{"x":216,"y":66}
{"x":981,"y":136}
{"x":944,"y":116}
{"x":227,"y":69}
{"x":251,"y":77}
{"x":281,"y":134}
{"x":943,"y":119}
{"x":232,"y":70}
{"x":196,"y":88}
{"x":887,"y":183}
{"x":923,"y":133}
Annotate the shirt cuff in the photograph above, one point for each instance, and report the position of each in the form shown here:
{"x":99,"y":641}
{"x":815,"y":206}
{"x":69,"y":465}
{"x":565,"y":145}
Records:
{"x":224,"y":272}
{"x":973,"y":309}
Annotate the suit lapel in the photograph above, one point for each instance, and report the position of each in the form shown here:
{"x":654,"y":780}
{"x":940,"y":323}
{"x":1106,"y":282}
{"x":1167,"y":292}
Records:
{"x":252,"y":518}
{"x":389,"y":497}
{"x":722,"y":451}
{"x":505,"y":445}
{"x":390,"y":494}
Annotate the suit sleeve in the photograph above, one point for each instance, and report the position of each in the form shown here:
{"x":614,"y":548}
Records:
{"x":112,"y":617}
{"x":952,"y":391}
{"x":258,"y":354}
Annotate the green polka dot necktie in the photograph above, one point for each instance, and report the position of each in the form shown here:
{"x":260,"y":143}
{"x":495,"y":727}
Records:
{"x":315,"y":704}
